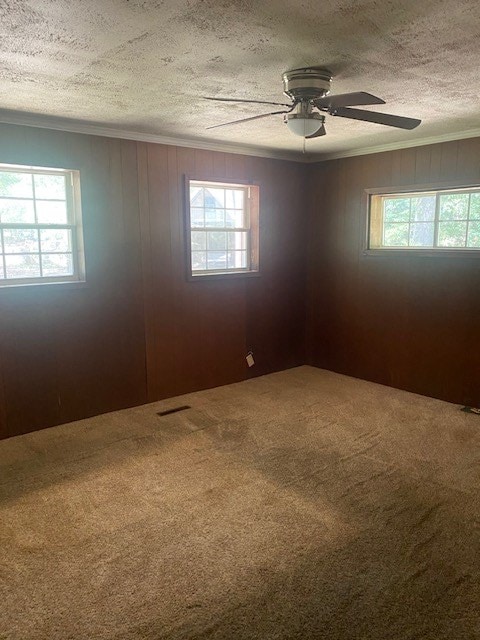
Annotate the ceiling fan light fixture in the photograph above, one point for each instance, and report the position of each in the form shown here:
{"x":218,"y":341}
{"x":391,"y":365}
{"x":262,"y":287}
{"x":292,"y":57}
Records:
{"x":309,"y":91}
{"x":304,"y":125}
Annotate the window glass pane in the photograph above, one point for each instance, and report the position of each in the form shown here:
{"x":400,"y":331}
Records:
{"x":29,"y":201}
{"x":196,"y":196}
{"x":234,"y":198}
{"x":199,"y":260}
{"x":234,"y":218}
{"x":51,"y":212}
{"x":16,"y":211}
{"x":396,"y":235}
{"x":237,"y":240}
{"x":442,"y":220}
{"x":237,"y":260}
{"x":199,"y":240}
{"x":452,"y":234}
{"x":17,"y":185}
{"x":27,"y":266}
{"x":422,"y":234}
{"x":423,"y":209}
{"x":52,"y":187}
{"x":20,"y":240}
{"x":55,"y":240}
{"x":214,"y":198}
{"x":57,"y":264}
{"x":453,"y":206}
{"x":217,"y":260}
{"x":197,"y":218}
{"x":216,"y":240}
{"x":215,"y":218}
{"x":396,"y":209}
{"x":473,"y":234}
{"x":475,"y":206}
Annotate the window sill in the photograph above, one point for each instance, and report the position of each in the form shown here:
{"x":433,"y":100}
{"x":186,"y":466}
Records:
{"x":222,"y":275}
{"x":43,"y":286}
{"x":422,"y":253}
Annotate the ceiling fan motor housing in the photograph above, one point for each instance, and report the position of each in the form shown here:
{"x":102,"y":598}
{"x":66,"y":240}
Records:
{"x":307,"y":83}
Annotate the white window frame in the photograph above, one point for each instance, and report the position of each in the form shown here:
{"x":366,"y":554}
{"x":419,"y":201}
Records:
{"x":375,"y":225}
{"x":250,"y":228}
{"x":73,"y":224}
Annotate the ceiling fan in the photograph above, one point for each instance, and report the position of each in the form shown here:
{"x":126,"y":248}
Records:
{"x":309,"y":91}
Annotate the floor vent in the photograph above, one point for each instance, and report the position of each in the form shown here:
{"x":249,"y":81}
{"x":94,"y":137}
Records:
{"x":167,"y":412}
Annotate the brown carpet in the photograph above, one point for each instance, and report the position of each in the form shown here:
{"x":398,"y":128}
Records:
{"x":303,"y":504}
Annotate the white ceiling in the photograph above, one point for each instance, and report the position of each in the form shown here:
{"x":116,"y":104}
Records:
{"x":142,"y":66}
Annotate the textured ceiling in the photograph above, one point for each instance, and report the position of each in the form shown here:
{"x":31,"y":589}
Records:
{"x":140,"y":65}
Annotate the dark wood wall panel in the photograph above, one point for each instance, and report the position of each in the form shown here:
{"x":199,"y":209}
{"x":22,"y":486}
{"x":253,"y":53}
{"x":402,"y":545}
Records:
{"x":201,"y":330}
{"x":276,"y":302}
{"x":69,"y":352}
{"x":408,"y":322}
{"x":138,"y":330}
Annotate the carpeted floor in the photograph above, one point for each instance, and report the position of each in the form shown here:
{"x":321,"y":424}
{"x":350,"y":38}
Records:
{"x":300,"y":505}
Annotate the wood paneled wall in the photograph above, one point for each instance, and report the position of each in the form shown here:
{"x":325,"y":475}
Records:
{"x":71,"y":351}
{"x":198,"y":333}
{"x":138,"y":331}
{"x":408,"y":322}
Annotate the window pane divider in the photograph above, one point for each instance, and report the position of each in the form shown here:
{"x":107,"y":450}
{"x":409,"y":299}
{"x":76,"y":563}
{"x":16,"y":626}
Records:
{"x":436,"y":221}
{"x":468,"y":219}
{"x":32,"y":225}
{"x":3,"y":256}
{"x":37,"y":253}
{"x":409,"y":219}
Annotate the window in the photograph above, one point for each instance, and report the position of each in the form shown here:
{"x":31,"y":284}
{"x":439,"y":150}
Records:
{"x":40,"y":227}
{"x":222,"y":228}
{"x":443,"y":220}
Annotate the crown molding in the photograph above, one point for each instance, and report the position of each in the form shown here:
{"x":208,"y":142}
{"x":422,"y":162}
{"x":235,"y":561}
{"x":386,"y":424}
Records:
{"x":77,"y":126}
{"x":395,"y":146}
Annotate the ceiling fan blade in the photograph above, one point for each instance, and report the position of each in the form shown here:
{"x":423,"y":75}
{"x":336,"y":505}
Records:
{"x":317,"y":134}
{"x":277,"y":104}
{"x":347,"y":100}
{"x":379,"y":118}
{"x":264,"y":115}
